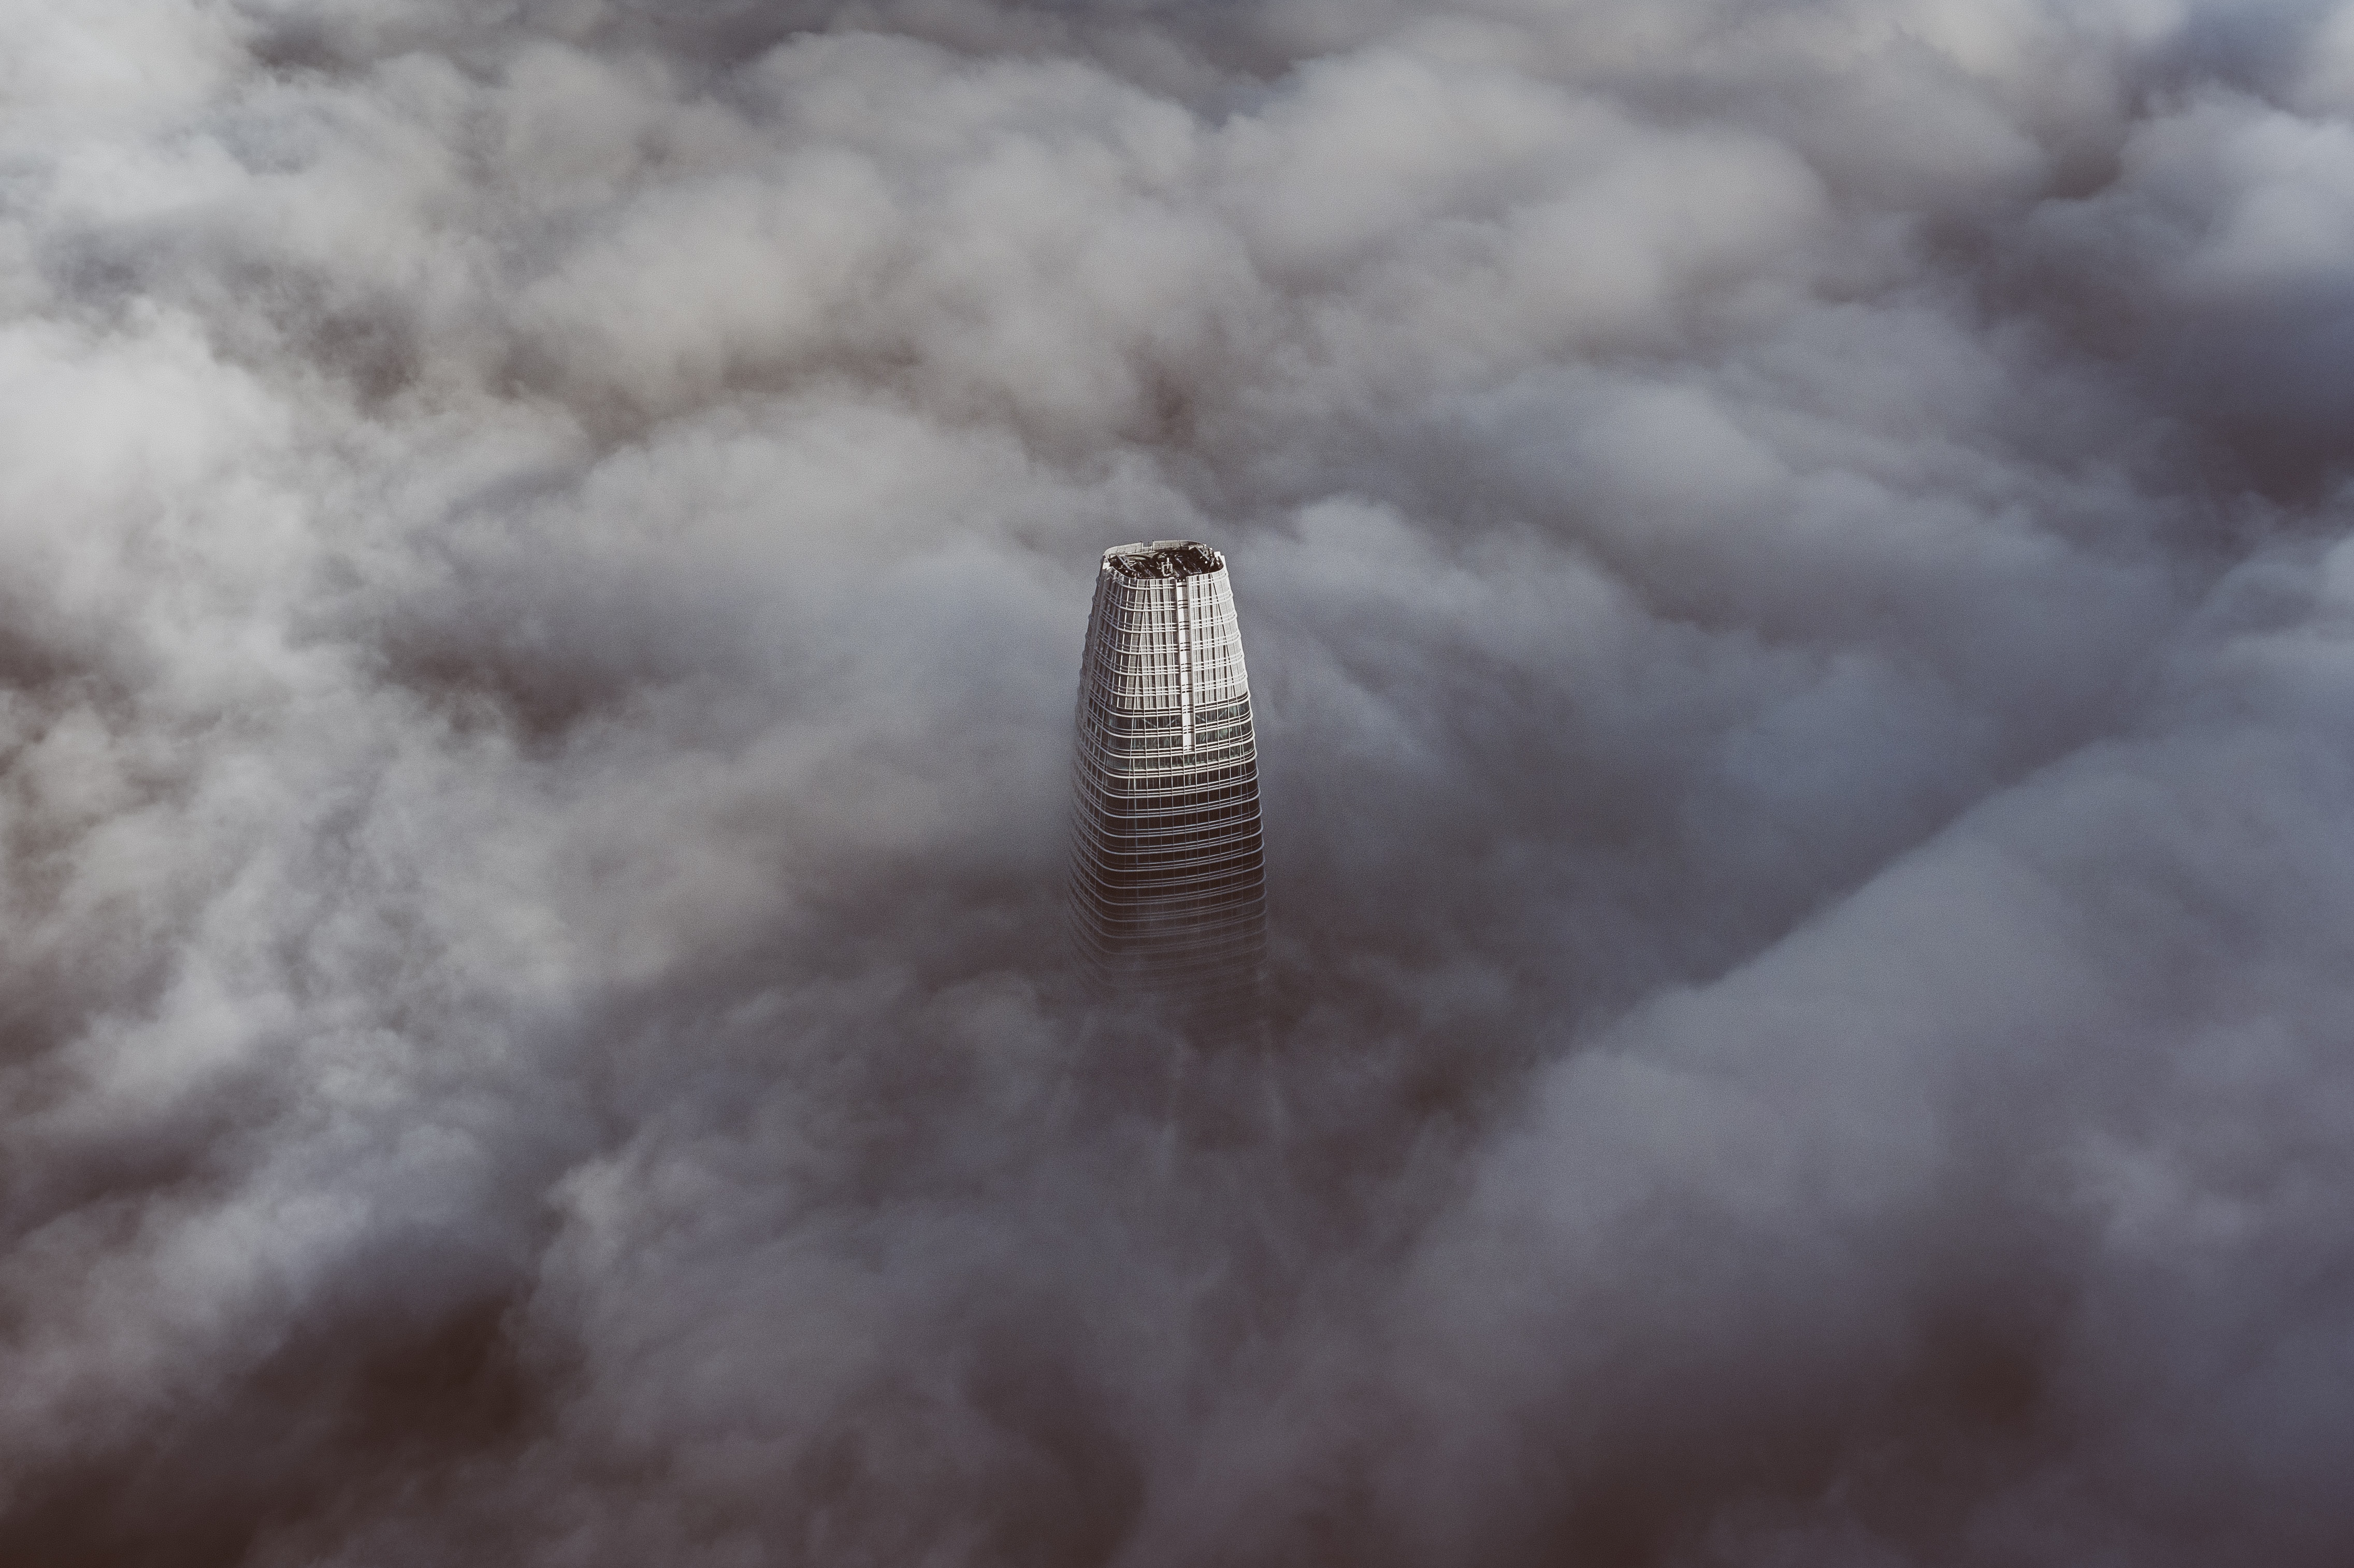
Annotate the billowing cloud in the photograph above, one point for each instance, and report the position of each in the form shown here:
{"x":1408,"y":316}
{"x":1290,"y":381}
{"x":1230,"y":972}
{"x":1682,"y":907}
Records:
{"x":1794,"y":566}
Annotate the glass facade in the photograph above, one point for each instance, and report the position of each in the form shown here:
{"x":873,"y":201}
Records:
{"x":1167,"y":891}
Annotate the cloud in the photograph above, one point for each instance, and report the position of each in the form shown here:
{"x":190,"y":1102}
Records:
{"x":1792,"y":560}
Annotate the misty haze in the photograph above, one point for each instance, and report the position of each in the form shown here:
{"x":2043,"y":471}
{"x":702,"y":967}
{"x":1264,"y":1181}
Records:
{"x":1797,"y":566}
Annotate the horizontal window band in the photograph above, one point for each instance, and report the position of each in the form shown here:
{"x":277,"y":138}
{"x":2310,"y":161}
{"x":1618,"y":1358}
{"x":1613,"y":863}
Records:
{"x":1185,"y":798}
{"x":1116,"y":872}
{"x":1242,"y":884}
{"x":1097,"y":842}
{"x":1201,"y":838}
{"x":1195,"y":774}
{"x":1098,"y":848}
{"x":1115,"y":726}
{"x":1152,"y":773}
{"x":1123,"y":812}
{"x":1149,"y":818}
{"x":1126,"y":743}
{"x":1205,"y":737}
{"x":1246,"y":854}
{"x":1134,"y":820}
{"x":1150,"y":839}
{"x":1206,"y":907}
{"x":1159,"y":796}
{"x":1169,"y":784}
{"x":1129,"y":894}
{"x":1122,"y":766}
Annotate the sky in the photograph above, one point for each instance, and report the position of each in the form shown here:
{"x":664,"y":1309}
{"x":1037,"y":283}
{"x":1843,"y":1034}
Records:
{"x":1795,"y":560}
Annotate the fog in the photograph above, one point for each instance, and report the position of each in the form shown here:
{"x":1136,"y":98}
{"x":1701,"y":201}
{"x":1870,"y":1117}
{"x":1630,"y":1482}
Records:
{"x":1795,"y":563}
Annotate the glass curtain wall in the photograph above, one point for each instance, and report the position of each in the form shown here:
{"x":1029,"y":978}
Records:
{"x":1168,"y":898}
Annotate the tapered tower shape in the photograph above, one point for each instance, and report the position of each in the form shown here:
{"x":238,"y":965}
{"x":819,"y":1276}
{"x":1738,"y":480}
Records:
{"x":1167,"y":894}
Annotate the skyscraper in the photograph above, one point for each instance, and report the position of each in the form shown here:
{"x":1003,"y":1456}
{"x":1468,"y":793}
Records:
{"x":1167,"y":892}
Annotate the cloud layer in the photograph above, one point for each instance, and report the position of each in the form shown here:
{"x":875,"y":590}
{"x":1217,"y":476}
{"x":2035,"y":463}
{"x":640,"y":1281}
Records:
{"x":1795,"y":565}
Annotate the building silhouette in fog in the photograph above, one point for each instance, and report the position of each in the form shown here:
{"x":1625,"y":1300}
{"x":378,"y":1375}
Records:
{"x":1168,"y":897}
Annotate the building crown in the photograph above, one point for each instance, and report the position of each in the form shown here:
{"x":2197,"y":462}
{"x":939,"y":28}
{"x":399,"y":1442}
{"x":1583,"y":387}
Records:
{"x":1165,"y":558}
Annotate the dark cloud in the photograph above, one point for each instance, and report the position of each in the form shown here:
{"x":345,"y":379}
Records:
{"x":1793,"y":560}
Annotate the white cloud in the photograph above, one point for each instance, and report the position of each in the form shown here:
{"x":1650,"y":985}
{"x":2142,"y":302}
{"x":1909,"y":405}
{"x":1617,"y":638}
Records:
{"x":1791,"y":563}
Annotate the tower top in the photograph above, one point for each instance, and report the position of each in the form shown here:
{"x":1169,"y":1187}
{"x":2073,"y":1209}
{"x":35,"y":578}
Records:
{"x":1165,"y":558}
